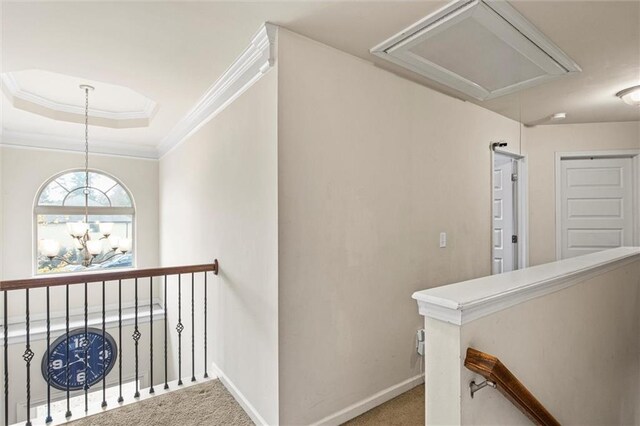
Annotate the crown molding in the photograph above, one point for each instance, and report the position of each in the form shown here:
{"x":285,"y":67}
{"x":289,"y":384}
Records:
{"x":61,"y":143}
{"x":256,"y":60}
{"x":37,"y":104}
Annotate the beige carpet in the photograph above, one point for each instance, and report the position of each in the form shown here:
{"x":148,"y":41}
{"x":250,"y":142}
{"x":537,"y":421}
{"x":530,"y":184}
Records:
{"x":211,"y":404}
{"x":406,"y":409}
{"x":206,"y":404}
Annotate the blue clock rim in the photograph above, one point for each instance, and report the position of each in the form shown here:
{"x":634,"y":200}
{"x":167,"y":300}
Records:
{"x":62,"y":338}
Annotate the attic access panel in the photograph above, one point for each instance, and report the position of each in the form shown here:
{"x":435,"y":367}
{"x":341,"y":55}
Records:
{"x":484,"y":49}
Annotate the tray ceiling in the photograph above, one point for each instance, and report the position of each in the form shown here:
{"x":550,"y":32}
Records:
{"x":59,"y":97}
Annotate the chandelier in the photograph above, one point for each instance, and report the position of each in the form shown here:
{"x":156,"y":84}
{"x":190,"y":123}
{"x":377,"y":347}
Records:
{"x":92,"y":250}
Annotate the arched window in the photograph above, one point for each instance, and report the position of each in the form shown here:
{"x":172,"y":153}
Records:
{"x":61,"y":200}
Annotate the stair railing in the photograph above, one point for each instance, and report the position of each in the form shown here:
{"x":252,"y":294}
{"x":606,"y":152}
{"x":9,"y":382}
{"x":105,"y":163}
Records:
{"x":499,"y":377}
{"x":11,"y":287}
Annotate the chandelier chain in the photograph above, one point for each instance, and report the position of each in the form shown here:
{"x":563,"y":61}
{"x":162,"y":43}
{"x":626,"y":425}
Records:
{"x":86,"y":154}
{"x":90,"y":249}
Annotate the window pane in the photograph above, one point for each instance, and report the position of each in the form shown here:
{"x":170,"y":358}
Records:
{"x":52,"y":195}
{"x":96,"y":198}
{"x":119,"y":197}
{"x":72,"y":180}
{"x":104,"y":191}
{"x":55,"y":227}
{"x":101,"y":182}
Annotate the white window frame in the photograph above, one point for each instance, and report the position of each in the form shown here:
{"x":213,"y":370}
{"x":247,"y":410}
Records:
{"x":80,"y":210}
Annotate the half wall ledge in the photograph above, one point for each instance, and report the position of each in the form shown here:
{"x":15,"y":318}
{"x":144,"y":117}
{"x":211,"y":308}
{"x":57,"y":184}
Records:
{"x":466,"y":301}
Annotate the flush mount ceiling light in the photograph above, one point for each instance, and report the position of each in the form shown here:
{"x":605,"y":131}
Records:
{"x":630,"y":96}
{"x":484,"y":49}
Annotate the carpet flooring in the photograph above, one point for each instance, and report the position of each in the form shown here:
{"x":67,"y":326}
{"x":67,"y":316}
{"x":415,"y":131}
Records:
{"x":404,"y":410}
{"x":211,"y":404}
{"x":206,"y":404}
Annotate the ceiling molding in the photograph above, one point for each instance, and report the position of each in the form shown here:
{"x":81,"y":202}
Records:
{"x":32,"y":102}
{"x":62,"y":143}
{"x":256,"y":60}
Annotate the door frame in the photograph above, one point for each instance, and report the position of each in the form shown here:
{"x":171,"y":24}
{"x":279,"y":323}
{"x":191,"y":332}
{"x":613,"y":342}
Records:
{"x":522,"y":217}
{"x":634,"y":154}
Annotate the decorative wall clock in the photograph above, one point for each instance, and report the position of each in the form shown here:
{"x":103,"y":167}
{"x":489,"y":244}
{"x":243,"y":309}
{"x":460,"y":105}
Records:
{"x":83,"y":368}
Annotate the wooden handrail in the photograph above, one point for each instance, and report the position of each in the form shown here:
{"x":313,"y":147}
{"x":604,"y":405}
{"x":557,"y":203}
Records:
{"x":52,"y":281}
{"x":490,"y":367}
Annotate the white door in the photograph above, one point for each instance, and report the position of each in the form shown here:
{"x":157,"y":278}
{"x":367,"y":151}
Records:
{"x":504,"y":215}
{"x":596,"y":205}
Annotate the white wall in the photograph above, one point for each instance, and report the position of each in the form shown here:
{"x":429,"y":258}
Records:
{"x":577,"y":350}
{"x":219,"y":199}
{"x":23,"y":172}
{"x":1,"y":217}
{"x":371,"y":169}
{"x":540,"y":145}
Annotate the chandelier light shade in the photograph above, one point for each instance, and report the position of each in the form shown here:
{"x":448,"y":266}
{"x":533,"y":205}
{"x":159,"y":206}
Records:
{"x":50,"y":248}
{"x":94,"y":248}
{"x":77,"y":229}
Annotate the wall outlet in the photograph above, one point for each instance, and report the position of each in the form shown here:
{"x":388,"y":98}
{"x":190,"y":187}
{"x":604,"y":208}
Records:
{"x":443,"y":239}
{"x":420,"y":342}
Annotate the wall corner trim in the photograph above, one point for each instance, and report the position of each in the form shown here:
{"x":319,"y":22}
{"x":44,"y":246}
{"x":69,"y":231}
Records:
{"x":239,"y":396}
{"x":256,"y":60}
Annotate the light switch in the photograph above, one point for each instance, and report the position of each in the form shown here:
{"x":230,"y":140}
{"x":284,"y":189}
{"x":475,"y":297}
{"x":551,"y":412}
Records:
{"x":443,"y":239}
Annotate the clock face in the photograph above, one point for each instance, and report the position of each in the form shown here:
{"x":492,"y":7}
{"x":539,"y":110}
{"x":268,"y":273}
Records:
{"x":87,"y":363}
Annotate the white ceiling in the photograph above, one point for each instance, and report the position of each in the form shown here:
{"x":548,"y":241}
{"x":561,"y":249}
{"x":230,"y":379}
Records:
{"x":171,"y":52}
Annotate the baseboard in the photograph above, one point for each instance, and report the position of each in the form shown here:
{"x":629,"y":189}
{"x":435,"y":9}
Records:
{"x":242,"y":400}
{"x":360,"y":407}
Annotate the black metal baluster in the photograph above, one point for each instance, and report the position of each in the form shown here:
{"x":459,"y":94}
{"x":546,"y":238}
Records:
{"x":104,"y":353}
{"x":205,"y":326}
{"x":28,"y":356}
{"x":66,"y":368}
{"x":179,"y":328}
{"x":136,"y":337}
{"x":193,"y":330}
{"x":6,"y":358}
{"x":166,"y":314}
{"x":120,"y":398}
{"x":151,"y":390}
{"x":85,"y":347}
{"x":49,"y":419}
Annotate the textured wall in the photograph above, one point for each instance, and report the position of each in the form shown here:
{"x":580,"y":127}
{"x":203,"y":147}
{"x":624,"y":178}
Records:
{"x":219,"y":200}
{"x":371,"y":169}
{"x":540,"y":145}
{"x":577,"y":350}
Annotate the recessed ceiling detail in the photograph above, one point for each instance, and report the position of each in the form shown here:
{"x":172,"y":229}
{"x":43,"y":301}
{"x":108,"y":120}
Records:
{"x":58,"y":96}
{"x":484,"y":49}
